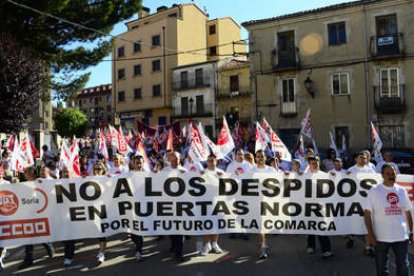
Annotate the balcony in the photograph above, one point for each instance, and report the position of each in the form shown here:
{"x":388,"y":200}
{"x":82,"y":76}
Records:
{"x":387,"y":46}
{"x":191,"y":83}
{"x":286,"y":59}
{"x":242,"y":93}
{"x":205,"y":110}
{"x":390,"y":102}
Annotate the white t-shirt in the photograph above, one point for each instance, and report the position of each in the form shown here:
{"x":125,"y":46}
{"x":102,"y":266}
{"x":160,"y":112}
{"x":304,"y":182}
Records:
{"x":191,"y":167}
{"x":239,"y":167}
{"x":381,"y":163}
{"x":3,"y":181}
{"x":266,"y":169}
{"x":364,"y":169}
{"x":118,"y":170}
{"x":342,"y":171}
{"x":216,"y":171}
{"x":387,"y":207}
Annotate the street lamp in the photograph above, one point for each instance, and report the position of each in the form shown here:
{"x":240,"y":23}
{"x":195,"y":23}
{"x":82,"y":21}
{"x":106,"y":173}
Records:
{"x":310,"y":86}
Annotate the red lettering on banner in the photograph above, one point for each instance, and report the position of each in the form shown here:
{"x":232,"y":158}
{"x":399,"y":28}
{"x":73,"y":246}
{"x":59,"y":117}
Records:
{"x":25,"y":228}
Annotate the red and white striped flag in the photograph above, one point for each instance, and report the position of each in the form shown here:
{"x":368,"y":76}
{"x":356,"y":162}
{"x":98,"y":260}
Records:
{"x":306,"y":125}
{"x":276,"y":143}
{"x":262,"y":139}
{"x":225,"y":141}
{"x":17,"y":160}
{"x":376,"y":143}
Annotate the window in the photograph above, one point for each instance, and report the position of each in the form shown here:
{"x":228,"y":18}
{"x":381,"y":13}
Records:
{"x":389,"y":83}
{"x":121,"y":74}
{"x":162,"y":120}
{"x":121,"y":51}
{"x":212,"y":29}
{"x":184,"y":106}
{"x":288,"y":90}
{"x":234,"y":83}
{"x":121,"y":96}
{"x":96,"y":101}
{"x":386,"y":25}
{"x":200,"y":104}
{"x":109,"y":108}
{"x":342,"y":137}
{"x":340,"y":84}
{"x":137,"y":69}
{"x":184,"y":80}
{"x":199,"y":81}
{"x":137,"y":46}
{"x":156,"y":65}
{"x":108,"y":98}
{"x":156,"y":41}
{"x":137,"y":93}
{"x":213,"y":51}
{"x":80,"y":103}
{"x":289,"y":136}
{"x":392,"y":136}
{"x":108,"y":118}
{"x":156,"y":90}
{"x":337,"y":33}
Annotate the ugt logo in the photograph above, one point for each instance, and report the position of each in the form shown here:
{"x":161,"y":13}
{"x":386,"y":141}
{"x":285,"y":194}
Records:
{"x":9,"y":203}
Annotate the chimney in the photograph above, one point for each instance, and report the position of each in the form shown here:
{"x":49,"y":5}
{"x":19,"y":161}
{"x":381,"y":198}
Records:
{"x":161,"y":8}
{"x":143,"y":12}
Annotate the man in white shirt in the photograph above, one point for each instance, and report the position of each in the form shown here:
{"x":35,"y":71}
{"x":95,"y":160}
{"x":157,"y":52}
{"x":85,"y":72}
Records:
{"x":360,"y":164}
{"x":239,"y":165}
{"x":338,"y":169}
{"x":117,"y":167}
{"x":387,"y":155}
{"x":368,"y":160}
{"x":389,"y":222}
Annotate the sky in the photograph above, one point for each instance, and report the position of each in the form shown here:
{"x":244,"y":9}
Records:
{"x":239,"y":10}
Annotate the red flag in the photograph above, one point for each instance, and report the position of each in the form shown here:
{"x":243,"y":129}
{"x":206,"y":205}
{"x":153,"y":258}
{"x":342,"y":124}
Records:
{"x":35,"y":152}
{"x":225,"y":141}
{"x":17,"y":157}
{"x":10,"y":143}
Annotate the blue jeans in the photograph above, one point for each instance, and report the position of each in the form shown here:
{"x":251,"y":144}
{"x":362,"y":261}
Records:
{"x":382,"y":250}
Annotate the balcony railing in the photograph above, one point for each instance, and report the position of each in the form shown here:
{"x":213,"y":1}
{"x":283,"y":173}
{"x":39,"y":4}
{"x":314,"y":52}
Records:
{"x":205,"y":110}
{"x":390,"y":100}
{"x":387,"y":46}
{"x":191,"y":83}
{"x":288,"y":109}
{"x":226,"y":95}
{"x":286,"y":59}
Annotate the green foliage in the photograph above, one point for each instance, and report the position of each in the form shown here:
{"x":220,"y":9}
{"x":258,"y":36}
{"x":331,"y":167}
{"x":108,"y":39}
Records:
{"x":66,"y":49}
{"x":69,"y":122}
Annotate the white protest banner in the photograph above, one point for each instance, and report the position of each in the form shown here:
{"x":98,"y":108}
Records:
{"x":184,"y":203}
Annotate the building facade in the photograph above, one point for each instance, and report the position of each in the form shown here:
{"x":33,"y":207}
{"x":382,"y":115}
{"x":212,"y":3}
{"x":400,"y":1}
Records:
{"x":96,"y":103}
{"x":147,"y":52}
{"x":349,"y":63}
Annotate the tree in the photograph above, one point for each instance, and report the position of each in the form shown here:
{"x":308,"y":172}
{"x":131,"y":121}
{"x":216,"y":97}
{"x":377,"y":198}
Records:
{"x":20,"y":85}
{"x":69,"y":122}
{"x":65,"y":48}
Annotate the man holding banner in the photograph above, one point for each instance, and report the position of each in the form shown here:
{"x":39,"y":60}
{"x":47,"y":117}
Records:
{"x":389,"y":222}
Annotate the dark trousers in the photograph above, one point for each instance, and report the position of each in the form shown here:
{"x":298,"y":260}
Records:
{"x":324,"y":242}
{"x":28,"y":249}
{"x":382,"y":250}
{"x":138,"y":241}
{"x":69,"y":249}
{"x":177,"y":243}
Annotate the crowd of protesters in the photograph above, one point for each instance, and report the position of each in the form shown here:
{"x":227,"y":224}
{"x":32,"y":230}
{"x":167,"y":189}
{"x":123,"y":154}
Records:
{"x":244,"y":159}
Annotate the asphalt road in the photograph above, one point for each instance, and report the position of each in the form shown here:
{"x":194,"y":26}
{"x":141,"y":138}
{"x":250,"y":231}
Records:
{"x":240,"y":257}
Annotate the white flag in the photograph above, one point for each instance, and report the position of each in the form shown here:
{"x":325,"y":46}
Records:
{"x":306,"y":125}
{"x":276,"y":143}
{"x":332,"y":144}
{"x":262,"y":139}
{"x":376,"y":143}
{"x":225,"y":141}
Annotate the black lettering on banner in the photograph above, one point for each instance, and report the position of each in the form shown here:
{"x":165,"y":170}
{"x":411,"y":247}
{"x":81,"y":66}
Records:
{"x":69,"y":194}
{"x":122,"y":187}
{"x":84,"y":195}
{"x":291,"y":185}
{"x":308,"y":188}
{"x":223,"y":186}
{"x":77,"y":213}
{"x":301,"y":225}
{"x":313,"y":208}
{"x":139,"y":209}
{"x":123,"y":206}
{"x":335,"y":209}
{"x":312,"y":224}
{"x":169,"y":183}
{"x":332,"y":226}
{"x":185,"y":207}
{"x":287,"y":210}
{"x":203,"y":205}
{"x":100,"y":213}
{"x":289,"y":225}
{"x":272,"y":185}
{"x":367,"y":185}
{"x":148,"y":188}
{"x":221,"y":207}
{"x":352,"y":187}
{"x":165,"y":209}
{"x":355,"y":209}
{"x":320,"y":191}
{"x":199,"y":189}
{"x":322,"y":225}
{"x":266,"y":208}
{"x":241,"y":207}
{"x":248,"y":188}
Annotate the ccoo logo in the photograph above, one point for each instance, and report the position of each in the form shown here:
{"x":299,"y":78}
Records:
{"x":392,"y":198}
{"x":9,"y":203}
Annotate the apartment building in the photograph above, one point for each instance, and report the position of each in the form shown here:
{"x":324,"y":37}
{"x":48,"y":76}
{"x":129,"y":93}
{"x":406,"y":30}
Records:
{"x":96,"y":103}
{"x":350,"y":63}
{"x":153,"y":45}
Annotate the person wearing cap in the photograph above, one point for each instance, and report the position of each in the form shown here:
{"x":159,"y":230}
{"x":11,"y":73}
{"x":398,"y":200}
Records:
{"x":324,"y":241}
